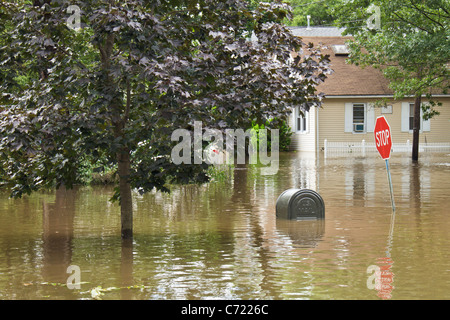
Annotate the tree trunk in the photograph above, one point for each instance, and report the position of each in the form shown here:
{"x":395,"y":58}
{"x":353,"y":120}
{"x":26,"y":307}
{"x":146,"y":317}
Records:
{"x":126,"y":204}
{"x":119,"y":119}
{"x":416,"y":129}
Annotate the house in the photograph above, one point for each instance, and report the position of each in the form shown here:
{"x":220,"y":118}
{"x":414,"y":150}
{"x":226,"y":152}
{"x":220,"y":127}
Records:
{"x":348,"y":114}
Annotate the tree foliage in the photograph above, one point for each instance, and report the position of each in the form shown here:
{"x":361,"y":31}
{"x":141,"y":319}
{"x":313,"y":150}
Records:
{"x":137,"y":70}
{"x":321,"y":12}
{"x":410,"y":45}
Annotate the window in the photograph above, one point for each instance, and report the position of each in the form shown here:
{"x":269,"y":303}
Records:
{"x":301,"y":121}
{"x":411,"y":117}
{"x":407,"y":119}
{"x":358,"y":117}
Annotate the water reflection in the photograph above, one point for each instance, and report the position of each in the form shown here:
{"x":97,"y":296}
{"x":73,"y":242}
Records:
{"x":384,"y":274}
{"x":126,"y":268}
{"x":304,"y":234}
{"x":222,"y":240}
{"x":415,"y":186}
{"x":58,"y":232}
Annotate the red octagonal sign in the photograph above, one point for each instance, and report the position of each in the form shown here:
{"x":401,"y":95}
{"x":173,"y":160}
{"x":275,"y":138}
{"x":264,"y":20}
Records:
{"x":383,"y":139}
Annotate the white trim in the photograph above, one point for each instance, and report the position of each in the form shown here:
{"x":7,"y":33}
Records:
{"x":348,"y":113}
{"x":317,"y":130}
{"x":380,"y":96}
{"x":305,"y":116}
{"x":365,"y":118}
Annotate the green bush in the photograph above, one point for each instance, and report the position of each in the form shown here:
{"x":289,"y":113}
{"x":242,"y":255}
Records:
{"x":285,"y":132}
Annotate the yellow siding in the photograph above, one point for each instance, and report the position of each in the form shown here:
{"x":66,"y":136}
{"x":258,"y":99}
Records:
{"x":332,"y":120}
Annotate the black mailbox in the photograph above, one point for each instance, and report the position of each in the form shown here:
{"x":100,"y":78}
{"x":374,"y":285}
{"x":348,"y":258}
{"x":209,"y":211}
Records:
{"x":300,"y":204}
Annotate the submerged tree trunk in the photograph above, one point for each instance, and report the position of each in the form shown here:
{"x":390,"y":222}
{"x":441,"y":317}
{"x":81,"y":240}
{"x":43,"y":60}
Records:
{"x":119,"y":120}
{"x":123,"y":169}
{"x":416,"y":129}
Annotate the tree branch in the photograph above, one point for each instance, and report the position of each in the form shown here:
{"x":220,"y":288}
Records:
{"x":423,"y":13}
{"x":409,"y":22}
{"x":106,"y":49}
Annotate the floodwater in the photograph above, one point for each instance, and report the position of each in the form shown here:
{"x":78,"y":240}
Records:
{"x":222,"y":240}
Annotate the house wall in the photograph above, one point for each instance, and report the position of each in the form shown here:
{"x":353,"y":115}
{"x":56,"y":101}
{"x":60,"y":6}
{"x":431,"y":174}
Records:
{"x":332,"y":122}
{"x":303,"y":141}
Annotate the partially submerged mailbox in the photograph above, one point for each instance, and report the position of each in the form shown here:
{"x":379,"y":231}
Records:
{"x":300,"y":204}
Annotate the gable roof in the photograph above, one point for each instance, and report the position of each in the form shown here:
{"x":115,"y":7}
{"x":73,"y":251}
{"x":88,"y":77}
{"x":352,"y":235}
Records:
{"x":347,"y":79}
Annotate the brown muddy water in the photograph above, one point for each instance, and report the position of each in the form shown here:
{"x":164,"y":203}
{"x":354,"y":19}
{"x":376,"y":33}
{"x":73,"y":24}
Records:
{"x":222,"y":240}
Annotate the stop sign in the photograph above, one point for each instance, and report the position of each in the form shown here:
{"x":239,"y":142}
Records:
{"x":383,"y":139}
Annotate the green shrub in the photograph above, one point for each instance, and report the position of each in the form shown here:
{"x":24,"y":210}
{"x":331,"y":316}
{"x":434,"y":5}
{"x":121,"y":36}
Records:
{"x":284,"y":132}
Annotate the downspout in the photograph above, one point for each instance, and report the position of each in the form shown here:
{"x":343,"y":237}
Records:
{"x":317,"y":132}
{"x":317,"y":150}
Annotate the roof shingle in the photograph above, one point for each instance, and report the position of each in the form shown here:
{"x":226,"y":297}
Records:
{"x":347,"y":79}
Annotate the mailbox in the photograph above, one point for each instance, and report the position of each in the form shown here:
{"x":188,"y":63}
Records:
{"x":300,"y":204}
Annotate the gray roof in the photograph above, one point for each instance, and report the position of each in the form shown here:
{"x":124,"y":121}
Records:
{"x":317,"y":31}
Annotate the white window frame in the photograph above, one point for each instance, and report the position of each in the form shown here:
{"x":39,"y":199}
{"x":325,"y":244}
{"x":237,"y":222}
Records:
{"x":411,"y":119}
{"x":364,"y":123}
{"x":304,"y":121}
{"x":405,"y":119}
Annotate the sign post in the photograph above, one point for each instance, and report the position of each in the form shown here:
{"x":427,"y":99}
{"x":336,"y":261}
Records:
{"x":383,"y":141}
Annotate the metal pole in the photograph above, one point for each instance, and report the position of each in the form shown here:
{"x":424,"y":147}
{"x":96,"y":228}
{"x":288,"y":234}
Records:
{"x":390,"y":184}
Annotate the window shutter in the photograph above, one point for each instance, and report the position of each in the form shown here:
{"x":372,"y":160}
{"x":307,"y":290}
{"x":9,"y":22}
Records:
{"x":292,"y":119}
{"x":348,"y":126}
{"x":370,"y":118}
{"x":425,"y":123}
{"x":405,"y":117}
